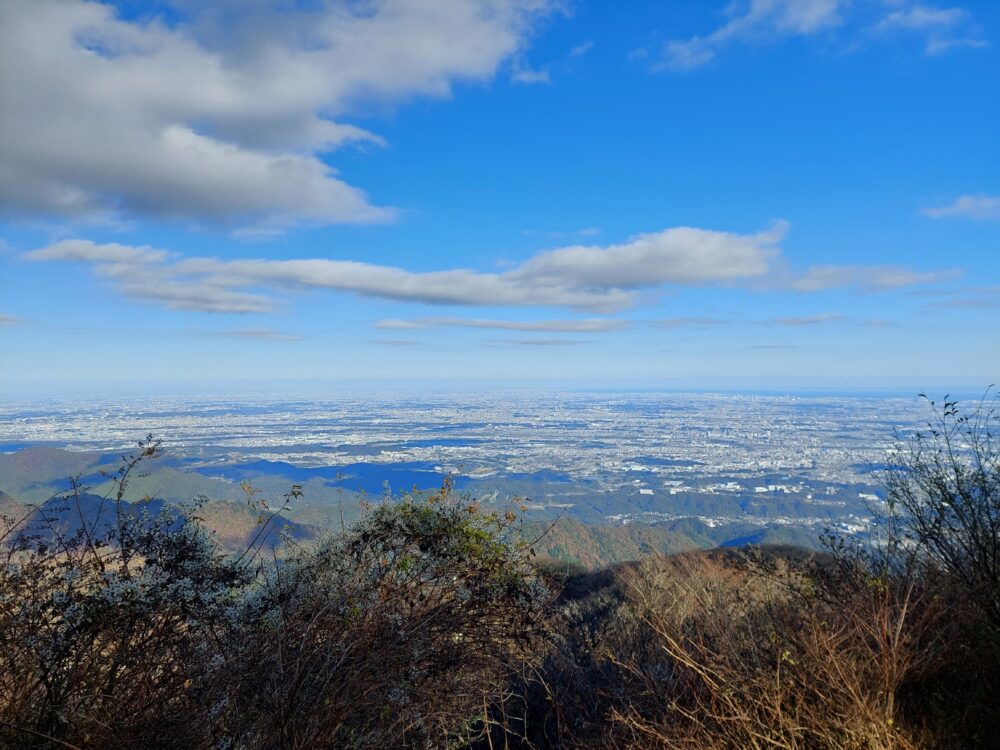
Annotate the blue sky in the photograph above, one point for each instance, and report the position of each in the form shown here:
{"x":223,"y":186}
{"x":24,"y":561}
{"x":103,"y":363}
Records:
{"x":761,"y":194}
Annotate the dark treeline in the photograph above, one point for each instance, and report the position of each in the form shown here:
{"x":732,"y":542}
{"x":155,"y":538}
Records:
{"x":430,"y":623}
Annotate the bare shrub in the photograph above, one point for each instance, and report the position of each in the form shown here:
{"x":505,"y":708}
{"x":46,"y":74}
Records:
{"x":765,"y":660}
{"x":943,"y":500}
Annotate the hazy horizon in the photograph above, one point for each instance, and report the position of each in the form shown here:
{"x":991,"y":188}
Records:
{"x":275,"y":391}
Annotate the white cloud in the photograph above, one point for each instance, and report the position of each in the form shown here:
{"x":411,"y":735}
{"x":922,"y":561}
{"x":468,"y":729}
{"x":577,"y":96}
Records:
{"x":938,"y":26}
{"x":768,"y":21}
{"x":938,"y":46}
{"x":808,"y":320}
{"x":86,"y":250}
{"x":558,"y":234}
{"x":592,"y":278}
{"x":222,"y":118}
{"x":541,"y":342}
{"x":971,"y":297}
{"x":761,"y":20}
{"x":580,"y":277}
{"x":873,"y":278}
{"x":922,"y":17}
{"x":682,"y":255}
{"x":187,"y":295}
{"x":581,"y":49}
{"x":705,"y":322}
{"x":395,"y":342}
{"x":982,"y":207}
{"x":591,"y":325}
{"x":529,"y":76}
{"x":689,"y":322}
{"x":254,"y":334}
{"x":451,"y":287}
{"x":395,"y":324}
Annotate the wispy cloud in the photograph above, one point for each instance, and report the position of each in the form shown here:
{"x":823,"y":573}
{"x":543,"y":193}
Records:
{"x":768,"y":21}
{"x":254,"y":334}
{"x":541,"y":342}
{"x":922,"y":17}
{"x":788,"y":321}
{"x":808,"y":320}
{"x":689,"y":322}
{"x":523,"y":73}
{"x":395,"y":324}
{"x":943,"y":29}
{"x":873,"y":278}
{"x":600,"y":278}
{"x":396,"y":342}
{"x":938,"y":46}
{"x":981,"y":207}
{"x":592,"y":325}
{"x":8,"y":320}
{"x":760,"y":20}
{"x":592,"y":278}
{"x":966,"y":297}
{"x":530,"y":76}
{"x":557,"y":234}
{"x":110,"y":253}
{"x":970,"y":302}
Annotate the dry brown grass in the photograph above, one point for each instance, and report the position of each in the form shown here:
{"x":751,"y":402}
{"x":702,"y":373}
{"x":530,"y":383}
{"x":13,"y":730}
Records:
{"x":763,"y":660}
{"x":704,"y":650}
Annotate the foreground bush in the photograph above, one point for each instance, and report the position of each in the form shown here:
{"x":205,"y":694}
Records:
{"x":943,"y":501}
{"x":764,"y":657}
{"x":764,"y":650}
{"x":399,"y":632}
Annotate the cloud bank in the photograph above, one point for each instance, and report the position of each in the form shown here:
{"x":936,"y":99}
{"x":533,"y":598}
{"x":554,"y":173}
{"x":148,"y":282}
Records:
{"x":591,"y":278}
{"x":981,"y":207}
{"x":578,"y":277}
{"x":222,"y":112}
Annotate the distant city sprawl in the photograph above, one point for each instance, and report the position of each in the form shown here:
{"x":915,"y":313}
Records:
{"x":616,"y":458}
